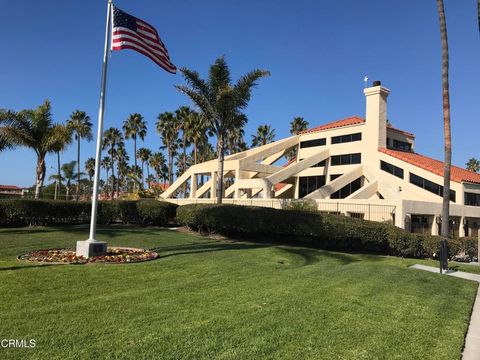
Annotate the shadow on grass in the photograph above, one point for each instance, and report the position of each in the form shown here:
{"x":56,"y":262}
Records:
{"x":29,"y":267}
{"x":313,"y":256}
{"x":196,"y":248}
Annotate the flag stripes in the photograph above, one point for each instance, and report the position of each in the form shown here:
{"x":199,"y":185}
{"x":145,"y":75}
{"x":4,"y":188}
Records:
{"x":128,"y":32}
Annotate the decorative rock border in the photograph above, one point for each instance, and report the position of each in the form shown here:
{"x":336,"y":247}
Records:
{"x":114,"y":255}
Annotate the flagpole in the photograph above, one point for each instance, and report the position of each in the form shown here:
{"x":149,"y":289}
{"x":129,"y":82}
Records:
{"x":93,"y":247}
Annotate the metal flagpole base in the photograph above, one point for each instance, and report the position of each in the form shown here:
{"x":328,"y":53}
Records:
{"x":89,"y":248}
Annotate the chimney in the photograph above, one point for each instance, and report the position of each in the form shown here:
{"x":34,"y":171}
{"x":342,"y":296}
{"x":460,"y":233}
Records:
{"x":376,"y":115}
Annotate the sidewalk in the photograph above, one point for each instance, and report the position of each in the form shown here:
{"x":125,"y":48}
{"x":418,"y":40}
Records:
{"x":472,"y":340}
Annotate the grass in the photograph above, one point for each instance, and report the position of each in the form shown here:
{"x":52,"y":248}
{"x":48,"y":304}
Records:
{"x":207,"y":299}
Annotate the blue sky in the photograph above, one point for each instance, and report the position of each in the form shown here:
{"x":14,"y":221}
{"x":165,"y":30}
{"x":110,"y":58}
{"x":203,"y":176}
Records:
{"x":317,"y":51}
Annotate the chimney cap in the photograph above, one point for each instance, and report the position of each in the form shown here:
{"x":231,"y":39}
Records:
{"x":377,"y":83}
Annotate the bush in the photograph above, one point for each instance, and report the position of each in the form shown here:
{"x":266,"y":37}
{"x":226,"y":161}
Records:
{"x":332,"y":232}
{"x":25,"y":212}
{"x":308,"y":205}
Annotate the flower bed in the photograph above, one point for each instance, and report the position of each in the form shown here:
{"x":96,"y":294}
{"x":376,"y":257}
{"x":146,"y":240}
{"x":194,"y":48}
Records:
{"x":114,"y":255}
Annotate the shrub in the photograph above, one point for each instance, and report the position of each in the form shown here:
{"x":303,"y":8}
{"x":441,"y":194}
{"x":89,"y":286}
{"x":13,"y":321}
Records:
{"x":25,"y":212}
{"x":308,"y":205}
{"x":332,"y":232}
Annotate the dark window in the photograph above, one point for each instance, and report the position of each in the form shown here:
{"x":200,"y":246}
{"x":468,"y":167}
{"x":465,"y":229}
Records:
{"x":312,"y":143}
{"x":309,"y":184}
{"x":334,"y":176}
{"x":346,"y":138}
{"x":472,"y":199}
{"x":430,"y":186}
{"x":346,"y":159}
{"x":402,"y":145}
{"x":392,"y":169}
{"x":347,"y":190}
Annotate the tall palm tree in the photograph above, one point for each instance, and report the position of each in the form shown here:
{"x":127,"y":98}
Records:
{"x":122,"y":165}
{"x":135,"y":127}
{"x":235,"y":137}
{"x":184,"y":116}
{"x":297,"y":125}
{"x":68,"y":174}
{"x":473,"y":165}
{"x":446,"y":121}
{"x":220,"y":101}
{"x":33,"y":129}
{"x":265,"y":135}
{"x":144,"y":155}
{"x":112,"y":138}
{"x":106,"y":163}
{"x":59,"y":146}
{"x":90,"y":170}
{"x":157,"y":162}
{"x":168,"y":127}
{"x":79,"y":124}
{"x":198,"y":130}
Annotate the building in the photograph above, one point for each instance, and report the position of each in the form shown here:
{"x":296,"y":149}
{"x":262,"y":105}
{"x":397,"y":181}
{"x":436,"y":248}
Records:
{"x":12,"y":191}
{"x":358,"y":167}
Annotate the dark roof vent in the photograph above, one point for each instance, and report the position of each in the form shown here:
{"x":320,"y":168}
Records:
{"x":377,"y":83}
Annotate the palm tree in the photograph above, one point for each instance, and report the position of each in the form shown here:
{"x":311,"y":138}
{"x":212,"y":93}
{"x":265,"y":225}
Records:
{"x":235,"y":138}
{"x":144,"y":155}
{"x":122,"y":165}
{"x":79,"y":124}
{"x":135,"y":127}
{"x":68,"y":171}
{"x":446,"y":121}
{"x":90,"y":170}
{"x":184,"y":116}
{"x":157,"y":162}
{"x":3,"y":143}
{"x":33,"y":129}
{"x":168,"y":127}
{"x":473,"y":165}
{"x":106,"y":163}
{"x":112,"y":137}
{"x":220,"y":101}
{"x":297,"y":125}
{"x":265,"y":135}
{"x":60,"y":145}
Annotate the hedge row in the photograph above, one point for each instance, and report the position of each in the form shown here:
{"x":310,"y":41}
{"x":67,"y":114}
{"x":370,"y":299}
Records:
{"x":23,"y":212}
{"x":330,"y":232}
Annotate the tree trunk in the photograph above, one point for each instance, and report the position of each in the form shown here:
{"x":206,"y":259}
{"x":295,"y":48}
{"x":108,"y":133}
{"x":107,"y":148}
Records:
{"x":195,"y":148}
{"x":59,"y":175}
{"x":148,"y":175}
{"x":67,"y":187}
{"x":135,"y":158}
{"x":113,"y":175}
{"x":220,"y":152}
{"x":170,"y":165}
{"x":39,"y":175}
{"x":446,"y":122}
{"x":78,"y":167}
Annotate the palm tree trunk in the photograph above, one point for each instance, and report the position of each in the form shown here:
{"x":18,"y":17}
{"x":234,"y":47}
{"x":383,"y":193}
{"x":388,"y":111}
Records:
{"x":148,"y":175}
{"x":195,"y":148}
{"x":113,"y":174}
{"x":59,"y":174}
{"x":55,"y":197}
{"x":170,"y":165}
{"x":39,"y":175}
{"x":220,"y":151}
{"x":78,"y":167}
{"x":135,"y":158}
{"x":446,"y":122}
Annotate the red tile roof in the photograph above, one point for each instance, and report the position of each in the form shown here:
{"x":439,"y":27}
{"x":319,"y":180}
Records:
{"x":400,"y":131}
{"x":9,"y":187}
{"x":352,"y":120}
{"x":457,"y":174}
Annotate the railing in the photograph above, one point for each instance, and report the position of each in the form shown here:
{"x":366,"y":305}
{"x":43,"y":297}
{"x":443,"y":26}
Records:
{"x":367,"y":211}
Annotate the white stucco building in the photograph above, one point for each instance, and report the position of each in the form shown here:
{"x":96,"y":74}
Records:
{"x":359,"y":167}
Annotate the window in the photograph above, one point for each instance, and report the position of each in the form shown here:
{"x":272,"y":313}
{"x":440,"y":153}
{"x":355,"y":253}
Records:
{"x":309,"y":184}
{"x":430,"y":186}
{"x":392,"y":169}
{"x":402,"y":145}
{"x":347,"y":190}
{"x":346,"y":138}
{"x":346,"y":159}
{"x":312,"y":143}
{"x":356,"y":215}
{"x":472,"y":199}
{"x":334,"y":176}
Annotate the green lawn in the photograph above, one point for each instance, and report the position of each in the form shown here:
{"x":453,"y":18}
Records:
{"x":205,"y":299}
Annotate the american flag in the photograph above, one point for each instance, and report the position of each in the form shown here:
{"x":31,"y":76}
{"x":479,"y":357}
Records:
{"x":129,"y":32}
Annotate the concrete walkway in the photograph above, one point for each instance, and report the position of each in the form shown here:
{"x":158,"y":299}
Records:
{"x":472,"y":340}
